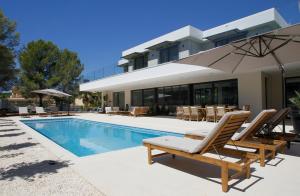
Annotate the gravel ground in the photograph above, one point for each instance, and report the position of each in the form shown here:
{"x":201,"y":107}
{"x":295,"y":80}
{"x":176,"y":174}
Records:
{"x":26,"y":169}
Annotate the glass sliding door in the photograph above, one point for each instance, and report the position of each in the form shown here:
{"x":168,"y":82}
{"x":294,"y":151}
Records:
{"x":163,"y":100}
{"x":216,"y":93}
{"x":226,"y":92}
{"x":203,"y":94}
{"x":137,"y":98}
{"x":149,"y":99}
{"x":119,"y":100}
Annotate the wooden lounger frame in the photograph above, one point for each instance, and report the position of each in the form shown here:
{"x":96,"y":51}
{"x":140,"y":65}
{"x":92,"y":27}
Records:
{"x":266,"y":147}
{"x":216,"y":145}
{"x":268,"y":129}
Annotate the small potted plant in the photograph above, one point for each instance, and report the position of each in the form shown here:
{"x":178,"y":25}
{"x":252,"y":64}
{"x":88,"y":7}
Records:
{"x":295,"y":113}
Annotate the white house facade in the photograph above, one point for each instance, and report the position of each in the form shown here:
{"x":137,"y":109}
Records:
{"x":153,"y":78}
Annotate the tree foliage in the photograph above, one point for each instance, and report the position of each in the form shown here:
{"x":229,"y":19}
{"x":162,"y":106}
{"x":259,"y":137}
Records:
{"x":38,"y":61}
{"x":44,"y":65}
{"x":69,"y":71}
{"x":90,"y":99}
{"x":9,"y":40}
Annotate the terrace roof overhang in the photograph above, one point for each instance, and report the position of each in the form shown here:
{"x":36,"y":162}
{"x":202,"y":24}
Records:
{"x":132,"y":55}
{"x":162,"y":45}
{"x":150,"y":77}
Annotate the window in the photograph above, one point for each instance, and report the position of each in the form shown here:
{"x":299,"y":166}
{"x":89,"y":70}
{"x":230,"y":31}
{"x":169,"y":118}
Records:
{"x":291,"y":85}
{"x":163,"y":100}
{"x":213,"y":93}
{"x":125,"y":68}
{"x":141,"y":62}
{"x":119,"y":100}
{"x":168,"y":54}
{"x":149,"y":98}
{"x":227,"y":40}
{"x":137,"y":98}
{"x":173,"y":95}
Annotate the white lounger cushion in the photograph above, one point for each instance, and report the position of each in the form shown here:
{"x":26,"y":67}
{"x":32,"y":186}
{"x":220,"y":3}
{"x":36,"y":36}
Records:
{"x":253,"y":122}
{"x":191,"y":145}
{"x":177,"y":143}
{"x":40,"y":110}
{"x":23,"y":110}
{"x":108,"y":109}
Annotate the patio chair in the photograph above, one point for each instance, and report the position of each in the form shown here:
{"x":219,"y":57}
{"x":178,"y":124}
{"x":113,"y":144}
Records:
{"x":108,"y":110}
{"x":23,"y":111}
{"x":200,"y":150}
{"x":179,"y":112}
{"x":116,"y":109}
{"x":210,"y":113}
{"x":40,"y":111}
{"x":266,"y":148}
{"x":268,"y":129}
{"x":186,"y":113}
{"x":220,"y":112}
{"x":196,"y":114}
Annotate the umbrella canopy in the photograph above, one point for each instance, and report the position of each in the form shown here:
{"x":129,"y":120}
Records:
{"x":275,"y":48}
{"x":52,"y":92}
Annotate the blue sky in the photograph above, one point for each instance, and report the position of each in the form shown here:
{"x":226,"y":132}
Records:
{"x":99,"y":30}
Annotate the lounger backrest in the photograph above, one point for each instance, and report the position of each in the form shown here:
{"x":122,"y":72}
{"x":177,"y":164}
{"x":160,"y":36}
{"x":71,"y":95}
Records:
{"x":39,"y":110}
{"x":255,"y":125}
{"x":108,"y":109}
{"x":223,"y":131}
{"x":278,"y":117}
{"x":23,"y":110}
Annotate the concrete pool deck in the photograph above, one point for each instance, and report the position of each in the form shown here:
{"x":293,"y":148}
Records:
{"x":126,"y":172}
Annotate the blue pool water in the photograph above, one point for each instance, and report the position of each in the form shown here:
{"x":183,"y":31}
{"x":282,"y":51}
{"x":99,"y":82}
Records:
{"x":84,"y":137}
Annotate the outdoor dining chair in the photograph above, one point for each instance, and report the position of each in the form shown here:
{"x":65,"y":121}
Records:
{"x":210,"y":113}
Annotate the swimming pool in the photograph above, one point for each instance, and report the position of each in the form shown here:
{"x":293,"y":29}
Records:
{"x":84,"y":137}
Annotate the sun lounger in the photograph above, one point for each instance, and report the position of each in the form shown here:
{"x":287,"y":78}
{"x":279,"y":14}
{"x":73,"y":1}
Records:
{"x":139,"y":111}
{"x":40,"y":111}
{"x":23,"y":111}
{"x":268,"y":129}
{"x":214,"y":142}
{"x":267,"y":148}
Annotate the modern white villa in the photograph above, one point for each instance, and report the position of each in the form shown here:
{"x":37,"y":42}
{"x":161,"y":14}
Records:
{"x":250,"y":62}
{"x":153,"y":78}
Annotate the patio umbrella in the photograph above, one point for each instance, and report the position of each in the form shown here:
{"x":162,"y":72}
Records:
{"x":53,"y":93}
{"x":275,"y":48}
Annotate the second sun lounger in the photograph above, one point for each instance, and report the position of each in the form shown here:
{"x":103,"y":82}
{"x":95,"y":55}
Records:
{"x":199,"y":150}
{"x":23,"y":111}
{"x":267,"y":148}
{"x":40,"y":111}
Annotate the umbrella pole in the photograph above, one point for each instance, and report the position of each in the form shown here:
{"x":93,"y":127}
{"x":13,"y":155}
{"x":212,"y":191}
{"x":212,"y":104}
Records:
{"x":283,"y":97}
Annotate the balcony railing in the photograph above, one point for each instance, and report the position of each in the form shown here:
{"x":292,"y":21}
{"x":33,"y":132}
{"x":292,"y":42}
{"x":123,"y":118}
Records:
{"x":102,"y":72}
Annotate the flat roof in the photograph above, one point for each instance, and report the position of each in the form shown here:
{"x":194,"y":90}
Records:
{"x":149,"y":77}
{"x":266,"y":16}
